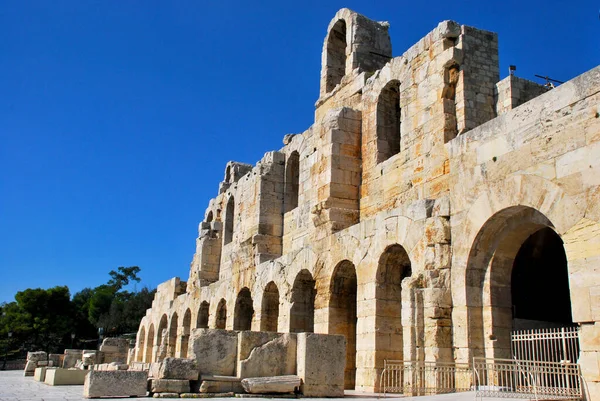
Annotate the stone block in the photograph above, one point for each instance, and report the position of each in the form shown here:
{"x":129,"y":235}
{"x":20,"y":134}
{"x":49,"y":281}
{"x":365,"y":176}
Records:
{"x":169,"y":386}
{"x":56,"y":359}
{"x":221,"y":386}
{"x":270,"y":385}
{"x":65,"y":377}
{"x":214,"y":350}
{"x":40,"y":374}
{"x":30,"y":368}
{"x":321,"y":360}
{"x":122,"y":383}
{"x":71,"y":357}
{"x":165,"y":395}
{"x":178,"y":368}
{"x":266,"y":354}
{"x":36,"y":356}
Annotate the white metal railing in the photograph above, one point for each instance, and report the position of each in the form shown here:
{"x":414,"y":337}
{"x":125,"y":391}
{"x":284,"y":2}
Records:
{"x":512,"y":378}
{"x":550,"y":345}
{"x":423,"y":378}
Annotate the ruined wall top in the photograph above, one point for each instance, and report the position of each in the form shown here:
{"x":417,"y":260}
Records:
{"x":353,"y":41}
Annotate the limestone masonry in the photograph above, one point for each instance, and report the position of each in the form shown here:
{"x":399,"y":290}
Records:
{"x":429,"y":211}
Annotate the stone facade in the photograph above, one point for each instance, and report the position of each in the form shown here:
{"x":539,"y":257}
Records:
{"x":402,"y":216}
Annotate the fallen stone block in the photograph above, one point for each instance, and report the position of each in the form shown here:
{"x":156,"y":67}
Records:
{"x":29,"y":368}
{"x":40,"y":374}
{"x":65,"y":377}
{"x":262,"y":354}
{"x":206,"y":395}
{"x":178,"y":368}
{"x":321,"y":363}
{"x":214,"y":350}
{"x":220,"y":384}
{"x":120,"y":383}
{"x":166,"y":395}
{"x":42,"y":363}
{"x":55,"y":359}
{"x":270,"y":385}
{"x":71,"y":358}
{"x":169,"y":386}
{"x":36,"y":356}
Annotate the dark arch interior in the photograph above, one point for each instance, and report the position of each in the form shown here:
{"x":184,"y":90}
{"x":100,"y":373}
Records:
{"x":336,"y":55}
{"x":270,"y":308}
{"x":540,"y":282}
{"x":303,"y":304}
{"x":388,"y":121}
{"x":202,"y":322}
{"x":229,"y":214}
{"x":342,"y":315}
{"x":243,"y":311}
{"x":292,"y":179}
{"x":221,"y":315}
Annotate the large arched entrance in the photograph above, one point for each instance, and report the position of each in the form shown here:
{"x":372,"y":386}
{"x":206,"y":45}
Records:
{"x":517,"y":279}
{"x":393,"y":267}
{"x":142,"y":345}
{"x":242,"y":315}
{"x":342,"y":314}
{"x":269,"y":315}
{"x":185,"y":337}
{"x":302,"y":313}
{"x":172,"y":340}
{"x":149,"y":345}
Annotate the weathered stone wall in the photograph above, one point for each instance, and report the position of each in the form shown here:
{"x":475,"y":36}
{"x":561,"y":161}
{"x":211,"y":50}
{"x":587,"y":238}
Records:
{"x":395,"y":219}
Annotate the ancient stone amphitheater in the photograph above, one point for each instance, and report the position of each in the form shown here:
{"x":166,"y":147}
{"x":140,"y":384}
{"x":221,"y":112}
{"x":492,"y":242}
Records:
{"x":430,"y":211}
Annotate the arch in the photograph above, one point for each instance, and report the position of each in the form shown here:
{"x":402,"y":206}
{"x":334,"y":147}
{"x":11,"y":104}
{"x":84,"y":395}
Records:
{"x":228,"y":173}
{"x":342,"y":314}
{"x":292,"y":181}
{"x":229,"y":217}
{"x":389,"y":118}
{"x":172,"y":339}
{"x":336,"y":55}
{"x":162,"y":336}
{"x":141,"y":344}
{"x":269,"y":315}
{"x":243,"y":312}
{"x":221,"y":317}
{"x":209,"y":217}
{"x":302,"y":313}
{"x":393,"y":267}
{"x":509,"y":237}
{"x":185,"y":336}
{"x":149,"y":345}
{"x":202,"y":321}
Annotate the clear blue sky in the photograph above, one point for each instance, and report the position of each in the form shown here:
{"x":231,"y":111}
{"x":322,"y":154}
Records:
{"x":117,"y":117}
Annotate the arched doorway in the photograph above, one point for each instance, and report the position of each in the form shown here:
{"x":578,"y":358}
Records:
{"x":187,"y":322}
{"x":149,"y":345}
{"x":221,"y":318}
{"x":162,"y":337}
{"x":141,"y":345}
{"x":229,"y":225}
{"x":342,"y":314}
{"x":269,"y":315}
{"x":172,"y":340}
{"x":388,"y":121}
{"x":517,"y":278}
{"x":336,"y":55}
{"x":393,"y":267}
{"x":202,"y":321}
{"x":243,"y":312}
{"x":302,"y":313}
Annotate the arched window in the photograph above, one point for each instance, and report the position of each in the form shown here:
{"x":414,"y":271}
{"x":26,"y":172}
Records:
{"x":269,"y":315}
{"x":209,"y":217}
{"x":221,"y":315}
{"x":229,"y":215}
{"x":292,"y":178}
{"x":202,"y":321}
{"x":242,"y":315}
{"x":336,"y":55}
{"x":388,"y":121}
